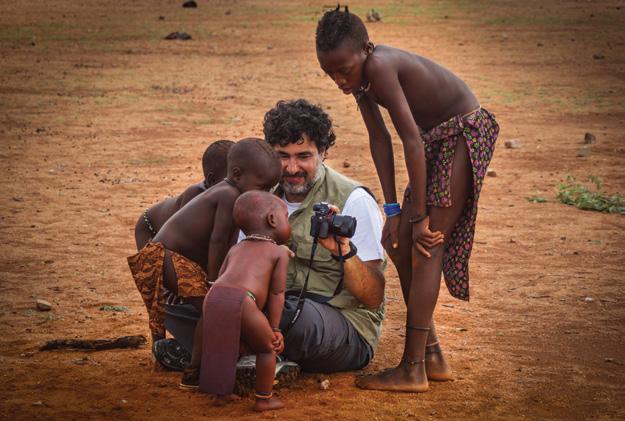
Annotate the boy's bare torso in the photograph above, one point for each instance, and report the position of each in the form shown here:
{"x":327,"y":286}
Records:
{"x":434,"y":94}
{"x":250,"y":266}
{"x":162,"y":211}
{"x":188,"y":231}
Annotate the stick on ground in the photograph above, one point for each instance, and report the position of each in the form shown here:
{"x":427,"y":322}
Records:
{"x":134,"y":341}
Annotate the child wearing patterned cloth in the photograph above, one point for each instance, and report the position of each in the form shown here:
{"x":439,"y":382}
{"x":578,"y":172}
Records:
{"x":185,"y":256}
{"x":154,"y":217}
{"x":448,"y":141}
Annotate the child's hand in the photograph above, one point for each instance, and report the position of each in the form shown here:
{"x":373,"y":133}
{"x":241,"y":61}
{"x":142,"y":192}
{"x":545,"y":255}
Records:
{"x":390,"y":232}
{"x":423,"y":238}
{"x":278,"y":342}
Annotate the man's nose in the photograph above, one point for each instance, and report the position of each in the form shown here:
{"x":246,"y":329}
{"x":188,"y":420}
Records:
{"x":290,"y":165}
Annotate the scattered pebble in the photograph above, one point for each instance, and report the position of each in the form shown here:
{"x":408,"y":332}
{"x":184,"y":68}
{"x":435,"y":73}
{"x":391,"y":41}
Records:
{"x":539,"y":44}
{"x":269,"y":46}
{"x":189,"y":3}
{"x":324,"y":384}
{"x":161,"y":18}
{"x":589,"y":299}
{"x":228,"y":12}
{"x":462,"y":329}
{"x":512,"y":144}
{"x":583,"y":151}
{"x":491,"y":173}
{"x":179,"y":35}
{"x":590,"y":139}
{"x":43,"y":305}
{"x":373,"y":16}
{"x":38,"y":403}
{"x":124,"y":400}
{"x":613,"y":361}
{"x":27,"y":354}
{"x":346,"y":164}
{"x":598,"y":56}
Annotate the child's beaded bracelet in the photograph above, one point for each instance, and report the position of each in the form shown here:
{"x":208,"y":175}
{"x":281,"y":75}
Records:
{"x":391,"y":209}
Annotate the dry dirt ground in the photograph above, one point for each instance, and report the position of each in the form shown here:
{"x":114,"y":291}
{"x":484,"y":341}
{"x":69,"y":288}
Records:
{"x":101,"y":117}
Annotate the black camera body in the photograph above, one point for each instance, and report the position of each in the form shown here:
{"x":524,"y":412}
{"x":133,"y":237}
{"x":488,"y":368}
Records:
{"x":325,"y":223}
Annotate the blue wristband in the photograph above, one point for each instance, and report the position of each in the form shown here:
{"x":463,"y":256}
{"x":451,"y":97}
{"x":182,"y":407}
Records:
{"x":391,"y":209}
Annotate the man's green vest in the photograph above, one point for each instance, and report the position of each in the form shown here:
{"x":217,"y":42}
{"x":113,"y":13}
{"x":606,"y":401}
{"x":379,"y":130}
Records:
{"x":333,"y":188}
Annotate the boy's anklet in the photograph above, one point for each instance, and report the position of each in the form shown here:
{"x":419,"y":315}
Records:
{"x":408,"y":362}
{"x":266,"y":396}
{"x":422,"y":329}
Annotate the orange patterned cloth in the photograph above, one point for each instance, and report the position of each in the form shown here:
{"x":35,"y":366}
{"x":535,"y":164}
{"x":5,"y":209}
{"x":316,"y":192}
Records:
{"x":146,"y":267}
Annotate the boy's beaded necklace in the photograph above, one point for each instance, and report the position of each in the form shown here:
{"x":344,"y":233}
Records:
{"x":259,"y":237}
{"x":227,"y":180}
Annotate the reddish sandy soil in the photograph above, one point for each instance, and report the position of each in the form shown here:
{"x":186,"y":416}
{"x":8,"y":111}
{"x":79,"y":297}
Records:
{"x":101,"y":117}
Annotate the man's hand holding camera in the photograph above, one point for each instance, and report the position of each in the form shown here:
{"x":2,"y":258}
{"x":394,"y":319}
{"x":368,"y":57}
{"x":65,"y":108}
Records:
{"x":332,"y":229}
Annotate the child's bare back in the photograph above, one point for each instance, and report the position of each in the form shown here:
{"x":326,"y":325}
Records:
{"x":153,"y":218}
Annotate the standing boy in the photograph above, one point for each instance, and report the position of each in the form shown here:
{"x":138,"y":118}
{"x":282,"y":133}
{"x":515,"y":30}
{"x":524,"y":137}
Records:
{"x":448,"y":141}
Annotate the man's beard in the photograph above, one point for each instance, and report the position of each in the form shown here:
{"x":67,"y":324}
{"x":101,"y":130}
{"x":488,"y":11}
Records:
{"x":306,"y":186}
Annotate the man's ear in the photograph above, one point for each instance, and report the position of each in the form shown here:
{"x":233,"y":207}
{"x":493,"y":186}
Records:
{"x":323,"y":152}
{"x":271,"y":219}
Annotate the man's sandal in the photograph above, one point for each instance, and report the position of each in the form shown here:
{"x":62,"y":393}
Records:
{"x":170,"y":354}
{"x":286,"y":373}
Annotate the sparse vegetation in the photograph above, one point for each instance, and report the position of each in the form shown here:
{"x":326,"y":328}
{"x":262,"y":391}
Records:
{"x":571,"y":192}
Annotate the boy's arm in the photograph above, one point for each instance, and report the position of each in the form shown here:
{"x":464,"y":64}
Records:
{"x":275,"y":301}
{"x":381,"y":147}
{"x":219,"y":241}
{"x":386,"y":86}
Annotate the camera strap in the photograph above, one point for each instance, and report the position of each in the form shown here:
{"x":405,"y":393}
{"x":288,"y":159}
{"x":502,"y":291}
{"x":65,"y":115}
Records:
{"x":303,"y":292}
{"x":302,"y":295}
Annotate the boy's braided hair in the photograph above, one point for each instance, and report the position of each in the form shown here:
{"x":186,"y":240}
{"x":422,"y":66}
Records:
{"x":337,"y":26}
{"x":215,"y":158}
{"x":288,"y":121}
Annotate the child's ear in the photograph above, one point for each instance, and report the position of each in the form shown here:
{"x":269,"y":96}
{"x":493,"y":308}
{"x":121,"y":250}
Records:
{"x":368,"y":48}
{"x":210,"y":178}
{"x":272,"y":220}
{"x":236,"y":174}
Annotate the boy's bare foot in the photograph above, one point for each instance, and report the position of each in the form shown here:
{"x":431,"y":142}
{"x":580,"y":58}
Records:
{"x":406,"y":377}
{"x":223,"y":400}
{"x":268,"y":404}
{"x":436,"y":367}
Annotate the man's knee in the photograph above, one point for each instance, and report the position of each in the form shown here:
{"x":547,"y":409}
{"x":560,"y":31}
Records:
{"x":303,"y":338}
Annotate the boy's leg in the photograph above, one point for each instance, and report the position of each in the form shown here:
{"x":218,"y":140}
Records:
{"x":257,"y":334}
{"x":410,"y":375}
{"x":435,"y":365}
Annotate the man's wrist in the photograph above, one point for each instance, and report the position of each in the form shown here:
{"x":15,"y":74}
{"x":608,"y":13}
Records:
{"x":353,"y":250}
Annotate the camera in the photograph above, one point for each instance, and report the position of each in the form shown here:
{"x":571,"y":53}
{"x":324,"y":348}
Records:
{"x":325,"y":223}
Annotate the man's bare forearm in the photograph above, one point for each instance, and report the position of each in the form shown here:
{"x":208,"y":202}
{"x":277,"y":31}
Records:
{"x":365,"y":281}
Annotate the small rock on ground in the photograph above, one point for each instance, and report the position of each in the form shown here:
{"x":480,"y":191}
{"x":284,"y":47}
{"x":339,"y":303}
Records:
{"x":491,"y":173}
{"x":373,"y":16}
{"x":189,"y":3}
{"x":324,"y":384}
{"x":590,"y":139}
{"x":43,"y":305}
{"x":179,"y":35}
{"x":512,"y":144}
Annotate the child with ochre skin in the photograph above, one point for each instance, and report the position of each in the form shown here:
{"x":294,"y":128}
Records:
{"x":184,"y":257}
{"x":253,"y":277}
{"x":214,"y":168}
{"x":448,"y":141}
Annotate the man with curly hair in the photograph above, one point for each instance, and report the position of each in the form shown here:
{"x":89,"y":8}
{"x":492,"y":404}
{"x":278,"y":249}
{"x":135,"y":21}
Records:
{"x":338,"y":328}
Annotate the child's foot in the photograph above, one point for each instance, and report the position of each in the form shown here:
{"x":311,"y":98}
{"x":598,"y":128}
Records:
{"x":190,"y":379}
{"x":223,"y":400}
{"x":268,"y":404}
{"x":408,"y":376}
{"x":435,"y":365}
